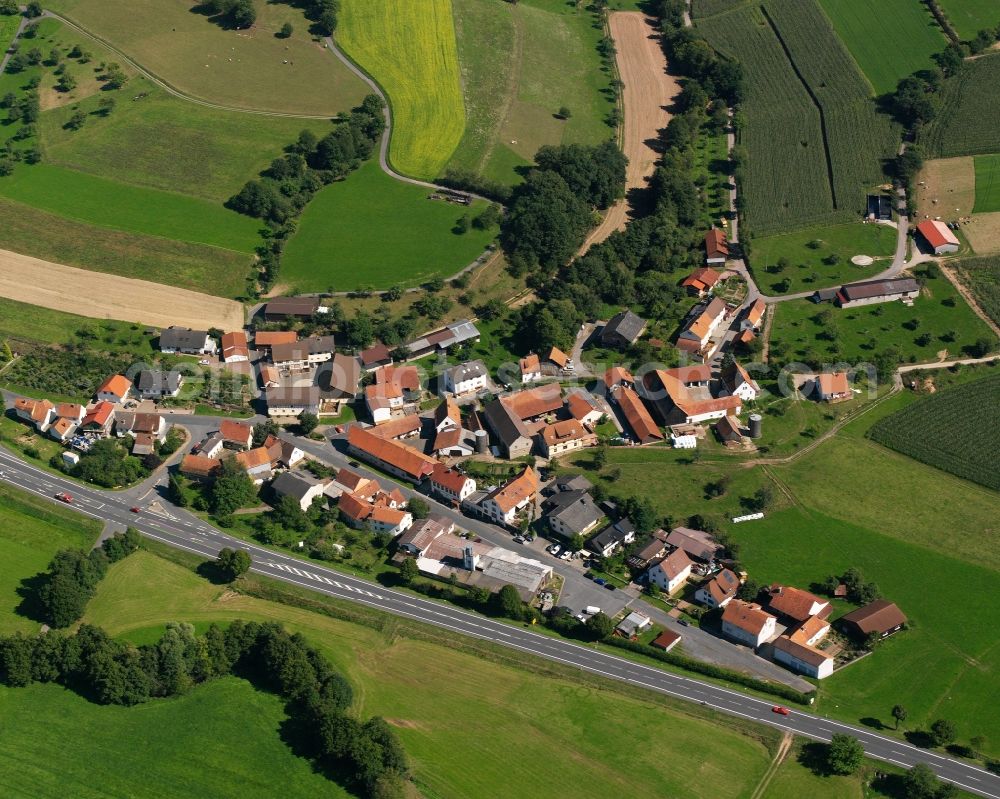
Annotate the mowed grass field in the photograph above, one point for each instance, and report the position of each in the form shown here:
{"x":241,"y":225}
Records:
{"x":31,"y":532}
{"x":952,"y":430}
{"x":807,"y":270}
{"x":987,"y":183}
{"x":549,"y":52}
{"x":982,"y":277}
{"x":969,"y":117}
{"x":890,"y":40}
{"x":373,"y":230}
{"x":409,"y":47}
{"x":799,"y":328}
{"x":32,"y":323}
{"x":492,"y":713}
{"x":244,"y":69}
{"x":107,"y":203}
{"x":971,"y":16}
{"x":795,"y":176}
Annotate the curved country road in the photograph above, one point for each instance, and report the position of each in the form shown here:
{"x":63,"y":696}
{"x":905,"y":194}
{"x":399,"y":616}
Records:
{"x":180,"y":529}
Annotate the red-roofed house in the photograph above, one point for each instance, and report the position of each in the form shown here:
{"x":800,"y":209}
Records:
{"x":716,"y":247}
{"x":701,"y":281}
{"x":99,"y":419}
{"x":581,"y":406}
{"x":564,"y":436}
{"x":747,"y":623}
{"x":235,"y":347}
{"x":115,"y":389}
{"x":638,"y":417}
{"x":41,"y":413}
{"x":236,"y":435}
{"x":504,"y":503}
{"x":669,"y":573}
{"x":198,"y":467}
{"x":786,"y":600}
{"x":832,"y":387}
{"x":531,"y":368}
{"x":451,"y":484}
{"x":392,"y":456}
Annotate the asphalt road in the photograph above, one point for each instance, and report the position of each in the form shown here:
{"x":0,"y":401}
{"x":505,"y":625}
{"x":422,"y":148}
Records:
{"x":185,"y":531}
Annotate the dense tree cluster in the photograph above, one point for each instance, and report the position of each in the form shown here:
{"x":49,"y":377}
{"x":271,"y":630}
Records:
{"x":845,"y":754}
{"x":108,"y":671}
{"x":108,"y":463}
{"x":237,"y":13}
{"x":232,"y":489}
{"x":859,"y":590}
{"x":290,"y":182}
{"x":73,"y":575}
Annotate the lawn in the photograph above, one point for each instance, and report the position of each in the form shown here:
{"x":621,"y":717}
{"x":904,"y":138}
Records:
{"x":31,"y":323}
{"x":805,"y":270}
{"x":987,"y":183}
{"x":953,"y":430}
{"x":494,"y":711}
{"x":372,"y":230}
{"x":222,"y":739}
{"x":32,"y":530}
{"x":246,"y":70}
{"x":890,"y":42}
{"x":969,"y":117}
{"x":107,"y":203}
{"x":982,"y":276}
{"x":8,"y":27}
{"x":191,"y":266}
{"x":971,"y":16}
{"x":549,"y":52}
{"x":936,"y":668}
{"x":409,"y":48}
{"x":794,"y":780}
{"x":939,"y":320}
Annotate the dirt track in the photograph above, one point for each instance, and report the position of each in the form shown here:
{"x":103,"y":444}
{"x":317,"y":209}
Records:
{"x":648,"y":90}
{"x":104,"y":296}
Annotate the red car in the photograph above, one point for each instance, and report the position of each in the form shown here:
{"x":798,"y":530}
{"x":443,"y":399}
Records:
{"x":781,"y":711}
{"x":134,"y":510}
{"x":62,"y":496}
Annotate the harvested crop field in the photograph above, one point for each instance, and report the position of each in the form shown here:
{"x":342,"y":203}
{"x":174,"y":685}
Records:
{"x":946,"y":184}
{"x":102,"y":296}
{"x":648,"y":90}
{"x":983,"y":233}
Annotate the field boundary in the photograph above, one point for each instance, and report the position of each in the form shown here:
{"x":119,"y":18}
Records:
{"x":969,"y":297}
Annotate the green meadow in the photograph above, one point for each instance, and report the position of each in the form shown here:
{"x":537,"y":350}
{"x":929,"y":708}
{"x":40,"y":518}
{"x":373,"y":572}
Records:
{"x":987,"y":183}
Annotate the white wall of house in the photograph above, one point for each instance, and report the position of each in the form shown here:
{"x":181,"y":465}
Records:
{"x":741,"y":635}
{"x":659,"y":577}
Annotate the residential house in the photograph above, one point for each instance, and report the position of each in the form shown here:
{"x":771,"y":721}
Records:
{"x":465,"y":378}
{"x":754,"y":316}
{"x":199,"y":467}
{"x":618,"y":377}
{"x":136,"y":424}
{"x":701,"y":281}
{"x":938,"y":237}
{"x":699,"y":327}
{"x":454,"y":442}
{"x":719,"y":591}
{"x":444,"y":339}
{"x":559,"y":359}
{"x":391,"y":456}
{"x":381,"y":400}
{"x":880,"y":617}
{"x":447,"y":416}
{"x":831,"y":387}
{"x":654,"y":548}
{"x":422,"y":533}
{"x":98,"y":419}
{"x":72,"y":411}
{"x":338,"y":381}
{"x":633,"y":625}
{"x":235,"y":347}
{"x":736,"y":382}
{"x":269,"y":377}
{"x":376,"y":356}
{"x":156,"y":384}
{"x":565,"y":436}
{"x":670,"y":572}
{"x":384,"y":519}
{"x":187,"y":341}
{"x":570,"y":482}
{"x":256,"y":463}
{"x":801,"y":658}
{"x":451,"y":484}
{"x":404,"y":378}
{"x":644,"y":428}
{"x":354,"y":510}
{"x":504,"y":503}
{"x":265,"y":339}
{"x":62,"y":429}
{"x":282,"y":453}
{"x":40,"y":413}
{"x":210,"y":447}
{"x":236,"y":435}
{"x":811,"y":631}
{"x":531,"y":368}
{"x":571,"y":513}
{"x":292,"y":400}
{"x":684,"y":395}
{"x":282,"y":308}
{"x":304,"y":354}
{"x":747,"y":623}
{"x":716,"y":246}
{"x":582,"y":407}
{"x":511,"y":418}
{"x":728,"y":430}
{"x":617,"y":534}
{"x":696,"y":543}
{"x":875,"y":291}
{"x":301,"y":486}
{"x":347,"y":481}
{"x":622,"y":330}
{"x":115,"y":389}
{"x":794,"y":603}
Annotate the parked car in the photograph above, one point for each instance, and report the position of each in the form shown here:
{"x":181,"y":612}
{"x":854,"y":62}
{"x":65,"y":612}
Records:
{"x":62,"y":496}
{"x":554,"y":549}
{"x":683,"y":622}
{"x":781,"y":711}
{"x":518,"y":539}
{"x":599,"y":581}
{"x":610,"y":587}
{"x":529,"y":538}
{"x":566,"y":555}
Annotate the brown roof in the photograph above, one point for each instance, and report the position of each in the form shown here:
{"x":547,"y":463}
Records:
{"x":793,"y":602}
{"x":728,"y":428}
{"x":199,"y":465}
{"x":673,"y":380}
{"x":448,"y":409}
{"x":878,"y":616}
{"x":715,"y":243}
{"x":268,"y":338}
{"x":702,"y":279}
{"x":406,"y":377}
{"x":522,"y":487}
{"x":697,"y":543}
{"x":235,"y":343}
{"x":674,"y":563}
{"x":800,"y":651}
{"x":735,"y":375}
{"x":448,"y":478}
{"x":395,"y":453}
{"x":400,"y":426}
{"x":566,"y":430}
{"x":36,"y":409}
{"x":617,"y":375}
{"x":356,"y":483}
{"x":353,"y":507}
{"x":252,"y":458}
{"x":702,"y":323}
{"x":832,"y":383}
{"x":756,"y":312}
{"x":746,"y":616}
{"x":530,"y":363}
{"x":579,"y":405}
{"x":119,"y":385}
{"x":535,"y":401}
{"x":231,"y":430}
{"x":665,"y":640}
{"x":147,"y":423}
{"x":810,"y":628}
{"x":269,"y":375}
{"x":723,"y":586}
{"x":69,"y":410}
{"x":376,"y":354}
{"x":450,"y":437}
{"x":558,"y":357}
{"x":638,"y":418}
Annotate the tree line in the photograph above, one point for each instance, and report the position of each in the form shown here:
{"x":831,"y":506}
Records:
{"x":290,"y":182}
{"x":243,"y":13}
{"x":365,"y":754}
